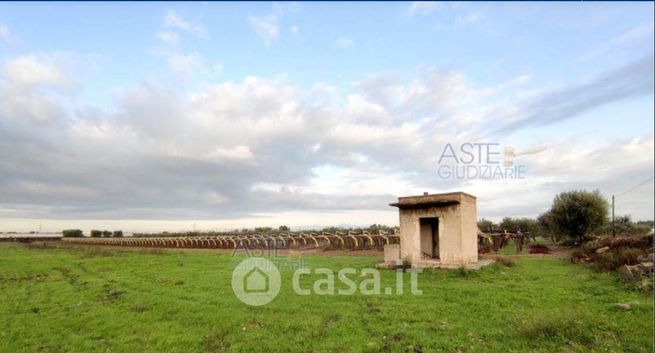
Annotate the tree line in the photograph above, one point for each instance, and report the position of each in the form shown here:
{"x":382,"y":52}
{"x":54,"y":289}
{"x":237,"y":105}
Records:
{"x":574,"y":215}
{"x":77,"y":233}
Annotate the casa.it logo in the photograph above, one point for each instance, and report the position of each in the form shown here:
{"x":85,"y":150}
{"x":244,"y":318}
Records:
{"x":486,"y":160}
{"x":256,"y":281}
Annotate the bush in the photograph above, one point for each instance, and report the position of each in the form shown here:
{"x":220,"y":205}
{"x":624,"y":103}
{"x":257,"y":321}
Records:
{"x":644,"y":242}
{"x":609,"y":253}
{"x":72,"y":233}
{"x":615,"y":258}
{"x":636,"y":277}
{"x":118,"y":234}
{"x":106,"y":234}
{"x":96,"y":233}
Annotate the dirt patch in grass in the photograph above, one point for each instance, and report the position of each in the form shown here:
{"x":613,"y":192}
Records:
{"x":214,"y":341}
{"x":538,"y":249}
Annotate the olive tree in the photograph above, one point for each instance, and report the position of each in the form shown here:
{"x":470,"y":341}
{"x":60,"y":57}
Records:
{"x":578,"y":213}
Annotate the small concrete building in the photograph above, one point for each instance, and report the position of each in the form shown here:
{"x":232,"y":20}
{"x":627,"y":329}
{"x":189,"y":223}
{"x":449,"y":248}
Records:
{"x":438,"y":230}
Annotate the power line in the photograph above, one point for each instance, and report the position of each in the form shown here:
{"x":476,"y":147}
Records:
{"x":636,"y":186}
{"x":623,"y":193}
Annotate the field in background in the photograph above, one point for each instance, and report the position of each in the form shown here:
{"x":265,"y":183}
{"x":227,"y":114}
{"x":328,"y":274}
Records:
{"x":109,"y":299}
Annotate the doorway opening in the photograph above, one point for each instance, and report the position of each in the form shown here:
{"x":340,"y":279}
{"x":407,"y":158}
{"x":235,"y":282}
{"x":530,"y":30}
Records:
{"x":430,"y":237}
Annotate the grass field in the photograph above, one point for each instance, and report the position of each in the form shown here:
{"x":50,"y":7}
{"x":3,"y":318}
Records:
{"x":99,"y":300}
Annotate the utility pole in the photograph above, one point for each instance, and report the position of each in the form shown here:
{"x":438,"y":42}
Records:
{"x":613,"y":227}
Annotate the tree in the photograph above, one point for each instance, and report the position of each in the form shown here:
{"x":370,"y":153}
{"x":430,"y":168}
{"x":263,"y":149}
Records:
{"x":578,"y":213}
{"x":96,"y":233}
{"x":509,"y":224}
{"x":106,"y":234}
{"x":623,"y":225}
{"x":283,"y":228}
{"x":72,"y":233}
{"x":547,"y":228}
{"x":118,"y":234}
{"x":527,"y":225}
{"x":486,"y":225}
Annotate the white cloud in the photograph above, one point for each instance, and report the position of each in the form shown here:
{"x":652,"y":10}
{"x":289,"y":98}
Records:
{"x":169,"y":38}
{"x":237,"y":152}
{"x":4,"y":32}
{"x":344,"y":42}
{"x":37,"y":69}
{"x":185,"y":64}
{"x":295,"y":30}
{"x":642,"y":33}
{"x":265,"y":146}
{"x":175,"y":21}
{"x":469,"y":18}
{"x":422,"y":7}
{"x":266,"y":27}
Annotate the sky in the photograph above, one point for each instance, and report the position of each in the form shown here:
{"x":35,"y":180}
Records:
{"x":179,"y":116}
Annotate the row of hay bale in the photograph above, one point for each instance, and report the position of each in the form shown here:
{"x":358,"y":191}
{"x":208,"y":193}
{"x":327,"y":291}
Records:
{"x":279,"y":241}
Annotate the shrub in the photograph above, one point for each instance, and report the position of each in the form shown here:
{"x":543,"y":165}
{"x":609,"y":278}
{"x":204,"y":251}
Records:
{"x":106,"y":234}
{"x":72,"y":233}
{"x":636,"y":277}
{"x":615,"y":258}
{"x":118,"y":234}
{"x":643,"y":242}
{"x":96,"y":233}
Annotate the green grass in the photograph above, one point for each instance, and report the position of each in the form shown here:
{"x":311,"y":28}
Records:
{"x":72,"y":300}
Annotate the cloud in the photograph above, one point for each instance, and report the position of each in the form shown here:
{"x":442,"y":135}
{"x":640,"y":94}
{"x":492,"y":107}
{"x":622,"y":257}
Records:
{"x":638,"y":35}
{"x":169,"y":38}
{"x":422,"y":7}
{"x":265,"y":146}
{"x":295,"y":30}
{"x":175,"y":21}
{"x":4,"y":32}
{"x":184,"y":64}
{"x":266,"y":27}
{"x":631,"y":80}
{"x":344,"y":42}
{"x":38,"y":69}
{"x":469,"y":18}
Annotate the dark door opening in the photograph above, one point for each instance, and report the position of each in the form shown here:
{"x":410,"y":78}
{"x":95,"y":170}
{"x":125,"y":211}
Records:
{"x":430,"y":237}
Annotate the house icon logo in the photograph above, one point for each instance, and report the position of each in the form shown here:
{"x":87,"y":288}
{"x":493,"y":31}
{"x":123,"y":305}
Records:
{"x":256,"y":281}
